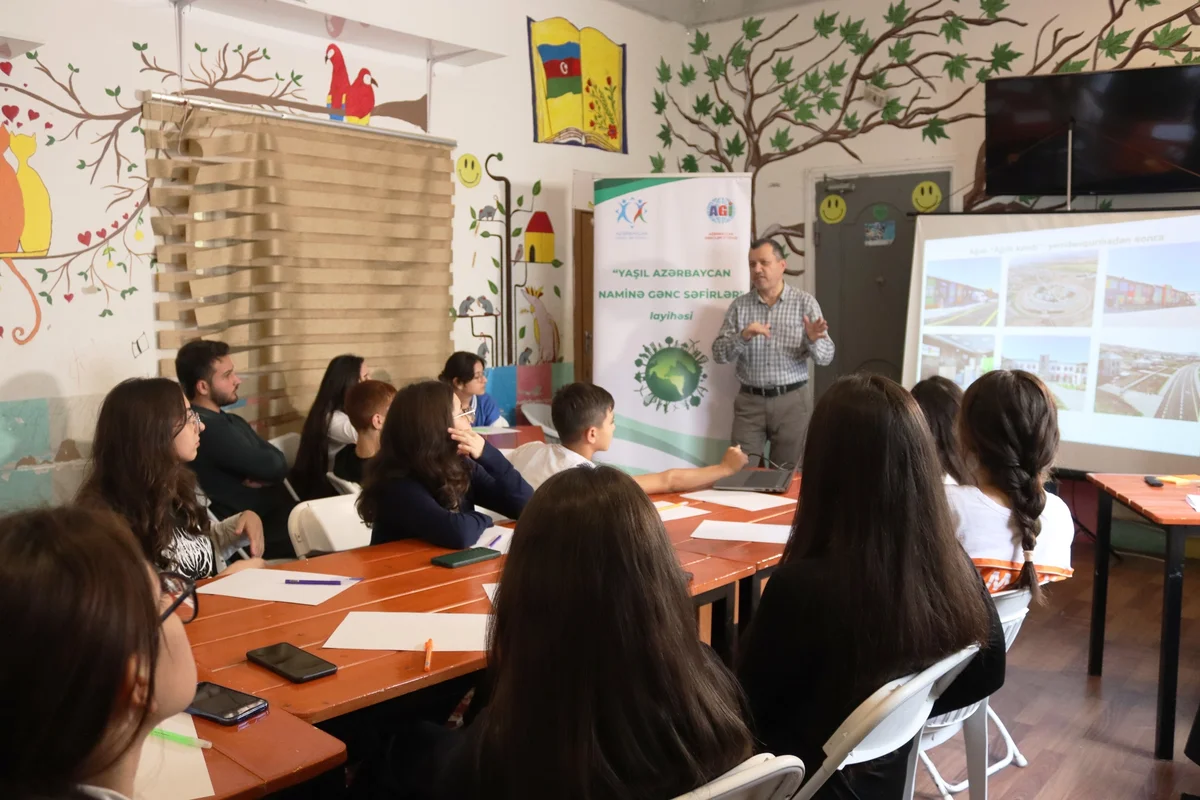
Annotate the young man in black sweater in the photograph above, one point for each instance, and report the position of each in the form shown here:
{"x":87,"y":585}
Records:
{"x":236,"y":468}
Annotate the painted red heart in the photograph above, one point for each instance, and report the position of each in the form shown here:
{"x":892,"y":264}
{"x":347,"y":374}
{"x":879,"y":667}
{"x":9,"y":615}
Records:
{"x":10,"y":112}
{"x":33,"y":115}
{"x":20,"y":124}
{"x":85,"y":238}
{"x":49,"y":125}
{"x":114,"y":226}
{"x":124,"y":216}
{"x":6,"y":67}
{"x":1,"y":331}
{"x":102,"y":233}
{"x":68,"y":297}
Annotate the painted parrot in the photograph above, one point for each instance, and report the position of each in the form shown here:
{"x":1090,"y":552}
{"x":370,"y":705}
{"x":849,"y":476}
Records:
{"x":360,"y":98}
{"x":339,"y":83}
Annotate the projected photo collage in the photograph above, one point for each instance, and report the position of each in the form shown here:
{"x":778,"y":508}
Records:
{"x":1113,"y":331}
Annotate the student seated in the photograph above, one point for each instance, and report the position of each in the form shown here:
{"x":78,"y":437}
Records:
{"x":599,"y":685}
{"x":583,"y":417}
{"x":367,"y":405}
{"x":872,"y":587}
{"x":327,"y":428}
{"x":940,"y":399}
{"x":146,"y":435}
{"x":237,"y":469}
{"x":1017,"y":534}
{"x":97,"y":656}
{"x":464,"y":372}
{"x":431,"y":471}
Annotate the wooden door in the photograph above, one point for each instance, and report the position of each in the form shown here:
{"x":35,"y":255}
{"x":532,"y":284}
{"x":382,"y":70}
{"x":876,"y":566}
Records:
{"x":585,"y":293}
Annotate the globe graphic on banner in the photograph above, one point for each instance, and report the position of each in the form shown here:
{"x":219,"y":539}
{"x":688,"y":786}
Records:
{"x":672,"y":374}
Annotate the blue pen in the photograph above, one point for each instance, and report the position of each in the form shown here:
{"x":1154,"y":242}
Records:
{"x":302,"y":582}
{"x":492,"y":543}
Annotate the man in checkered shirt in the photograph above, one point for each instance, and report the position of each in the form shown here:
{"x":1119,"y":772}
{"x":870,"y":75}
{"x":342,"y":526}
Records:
{"x":769,"y":333}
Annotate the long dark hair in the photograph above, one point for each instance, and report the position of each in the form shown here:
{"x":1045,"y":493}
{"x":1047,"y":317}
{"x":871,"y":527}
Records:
{"x":600,"y":685}
{"x":940,"y":399}
{"x":134,"y":470}
{"x":77,"y":606}
{"x":415,"y":444}
{"x":1009,"y":428}
{"x":460,"y":367}
{"x":872,"y":503}
{"x":312,"y":456}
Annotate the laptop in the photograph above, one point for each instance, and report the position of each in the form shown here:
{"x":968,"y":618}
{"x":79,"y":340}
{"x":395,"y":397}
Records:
{"x":773,"y":481}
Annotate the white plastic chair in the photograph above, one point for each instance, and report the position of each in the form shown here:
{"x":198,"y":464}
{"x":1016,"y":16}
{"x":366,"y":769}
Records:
{"x":1012,"y":606}
{"x":539,"y":414}
{"x":887,"y":720}
{"x":342,"y":487}
{"x":327,"y":525}
{"x":762,"y":777}
{"x":289,"y":445}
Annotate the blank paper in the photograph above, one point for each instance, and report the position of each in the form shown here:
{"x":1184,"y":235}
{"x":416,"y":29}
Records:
{"x":673,"y":511}
{"x":490,"y":590}
{"x":399,"y":630}
{"x":747,"y":501}
{"x":505,"y":542}
{"x":742,"y":532}
{"x":170,"y":771}
{"x":268,"y":584}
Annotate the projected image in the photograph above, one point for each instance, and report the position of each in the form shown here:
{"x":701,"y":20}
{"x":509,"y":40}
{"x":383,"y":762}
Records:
{"x":1056,"y":290}
{"x":962,"y":359}
{"x":1143,"y":375}
{"x":1060,"y":361}
{"x":1153,"y":286}
{"x":963,"y":291}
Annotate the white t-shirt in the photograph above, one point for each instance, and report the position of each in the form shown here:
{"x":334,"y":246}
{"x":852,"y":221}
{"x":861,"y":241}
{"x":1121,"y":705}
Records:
{"x":341,"y":433}
{"x":537,"y":461}
{"x":985,"y":529}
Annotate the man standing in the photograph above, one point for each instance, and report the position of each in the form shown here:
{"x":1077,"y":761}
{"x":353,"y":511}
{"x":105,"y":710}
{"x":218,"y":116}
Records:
{"x":769,"y":333}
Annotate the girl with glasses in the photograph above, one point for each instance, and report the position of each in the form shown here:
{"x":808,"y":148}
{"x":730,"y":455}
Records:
{"x":146,"y":435}
{"x":465,"y":374}
{"x":102,"y":657}
{"x":432,"y":469}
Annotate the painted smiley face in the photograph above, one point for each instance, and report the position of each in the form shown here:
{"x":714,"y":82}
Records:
{"x":468,"y":170}
{"x":833,"y":209}
{"x":926,"y":197}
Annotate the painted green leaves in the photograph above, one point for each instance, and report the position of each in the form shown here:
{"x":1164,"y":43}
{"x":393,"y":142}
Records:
{"x":825,"y":24}
{"x":1112,"y":44}
{"x":953,"y":28}
{"x":934,"y":129}
{"x":956,"y":67}
{"x":1166,"y":37}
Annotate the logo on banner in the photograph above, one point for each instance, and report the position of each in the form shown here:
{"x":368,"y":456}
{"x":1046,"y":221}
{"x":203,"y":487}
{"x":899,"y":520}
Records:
{"x":632,"y":211}
{"x":720,"y":210}
{"x":671,"y":375}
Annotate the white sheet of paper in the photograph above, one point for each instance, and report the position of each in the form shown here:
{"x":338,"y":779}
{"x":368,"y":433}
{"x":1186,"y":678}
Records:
{"x":742,"y":532}
{"x":747,"y":501}
{"x":490,"y":590}
{"x":268,"y":584}
{"x":170,"y":771}
{"x":505,"y":542}
{"x":673,"y":511}
{"x":402,"y":630}
{"x":496,"y":516}
{"x":1194,"y":501}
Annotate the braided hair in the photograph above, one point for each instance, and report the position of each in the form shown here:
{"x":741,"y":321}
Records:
{"x":1009,"y":429}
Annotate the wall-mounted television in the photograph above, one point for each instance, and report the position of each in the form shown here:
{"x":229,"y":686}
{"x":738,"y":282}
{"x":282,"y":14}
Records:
{"x":1135,"y":132}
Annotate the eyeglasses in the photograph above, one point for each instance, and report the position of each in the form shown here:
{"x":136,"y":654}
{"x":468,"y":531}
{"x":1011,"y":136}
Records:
{"x":192,"y":417}
{"x":479,"y":376}
{"x":184,"y":602}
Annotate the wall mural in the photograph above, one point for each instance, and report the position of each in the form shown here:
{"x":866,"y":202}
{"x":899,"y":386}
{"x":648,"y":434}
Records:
{"x":777,"y":93}
{"x":578,"y":86}
{"x":98,"y":265}
{"x":516,"y":244}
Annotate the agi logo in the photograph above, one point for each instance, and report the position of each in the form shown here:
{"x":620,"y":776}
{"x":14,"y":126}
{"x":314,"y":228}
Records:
{"x":720,"y":210}
{"x":631,"y":211}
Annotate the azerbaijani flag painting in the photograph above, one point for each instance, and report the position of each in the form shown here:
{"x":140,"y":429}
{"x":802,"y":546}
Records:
{"x":578,"y":86}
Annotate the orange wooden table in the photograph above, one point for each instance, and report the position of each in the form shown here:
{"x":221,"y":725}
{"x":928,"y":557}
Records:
{"x":1167,"y":508}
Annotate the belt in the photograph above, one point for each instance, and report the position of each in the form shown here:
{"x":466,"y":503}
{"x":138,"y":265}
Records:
{"x":772,"y":391}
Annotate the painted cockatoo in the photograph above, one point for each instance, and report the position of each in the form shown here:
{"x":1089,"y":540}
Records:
{"x":339,"y":83}
{"x":360,"y":98}
{"x":545,"y":329}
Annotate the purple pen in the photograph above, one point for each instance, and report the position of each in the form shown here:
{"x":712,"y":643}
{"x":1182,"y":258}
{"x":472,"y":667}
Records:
{"x":492,"y":543}
{"x":303,"y":582}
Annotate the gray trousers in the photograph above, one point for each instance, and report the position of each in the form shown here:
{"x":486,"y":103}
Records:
{"x":783,"y":421}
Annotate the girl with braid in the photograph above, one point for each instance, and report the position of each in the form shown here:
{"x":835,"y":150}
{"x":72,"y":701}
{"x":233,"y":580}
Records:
{"x":1018,"y":535}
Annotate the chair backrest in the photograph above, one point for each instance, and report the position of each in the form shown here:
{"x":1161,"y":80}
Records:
{"x":327,"y":525}
{"x":539,"y":414}
{"x":342,"y":487}
{"x":289,"y":443}
{"x":1012,"y":606}
{"x":762,"y":777}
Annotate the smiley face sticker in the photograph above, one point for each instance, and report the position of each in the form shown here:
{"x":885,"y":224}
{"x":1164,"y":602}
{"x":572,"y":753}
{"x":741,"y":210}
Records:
{"x":833,"y":209}
{"x":468,"y":171}
{"x":926,"y":197}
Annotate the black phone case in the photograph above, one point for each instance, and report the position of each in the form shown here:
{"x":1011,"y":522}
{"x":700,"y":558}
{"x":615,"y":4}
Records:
{"x":246,"y":712}
{"x":462,"y":558}
{"x":254,"y":657}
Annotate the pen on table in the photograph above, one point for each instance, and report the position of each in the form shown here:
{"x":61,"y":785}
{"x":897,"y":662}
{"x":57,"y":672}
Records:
{"x":305,"y":582}
{"x":673,"y":505}
{"x":428,"y":655}
{"x":179,"y":738}
{"x":492,"y":543}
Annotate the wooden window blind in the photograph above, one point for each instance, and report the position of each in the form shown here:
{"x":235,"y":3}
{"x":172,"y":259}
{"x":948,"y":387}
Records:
{"x":294,"y":243}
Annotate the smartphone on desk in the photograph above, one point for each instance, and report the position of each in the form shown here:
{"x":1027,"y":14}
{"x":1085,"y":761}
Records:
{"x":298,"y":666}
{"x":472,"y":555}
{"x":223,"y":705}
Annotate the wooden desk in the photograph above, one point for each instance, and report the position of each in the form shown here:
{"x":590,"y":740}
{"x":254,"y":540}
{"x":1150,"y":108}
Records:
{"x":510,"y":438}
{"x":1167,"y":508}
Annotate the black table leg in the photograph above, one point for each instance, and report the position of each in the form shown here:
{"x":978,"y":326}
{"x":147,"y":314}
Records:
{"x":1168,"y":646}
{"x":1100,"y":583}
{"x":724,"y":631}
{"x":749,"y":594}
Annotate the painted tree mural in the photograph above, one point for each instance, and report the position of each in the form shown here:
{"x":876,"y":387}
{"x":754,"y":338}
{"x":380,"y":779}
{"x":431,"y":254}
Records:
{"x":834,"y":81}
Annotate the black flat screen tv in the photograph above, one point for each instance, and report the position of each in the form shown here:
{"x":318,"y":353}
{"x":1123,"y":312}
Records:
{"x":1135,"y":132}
